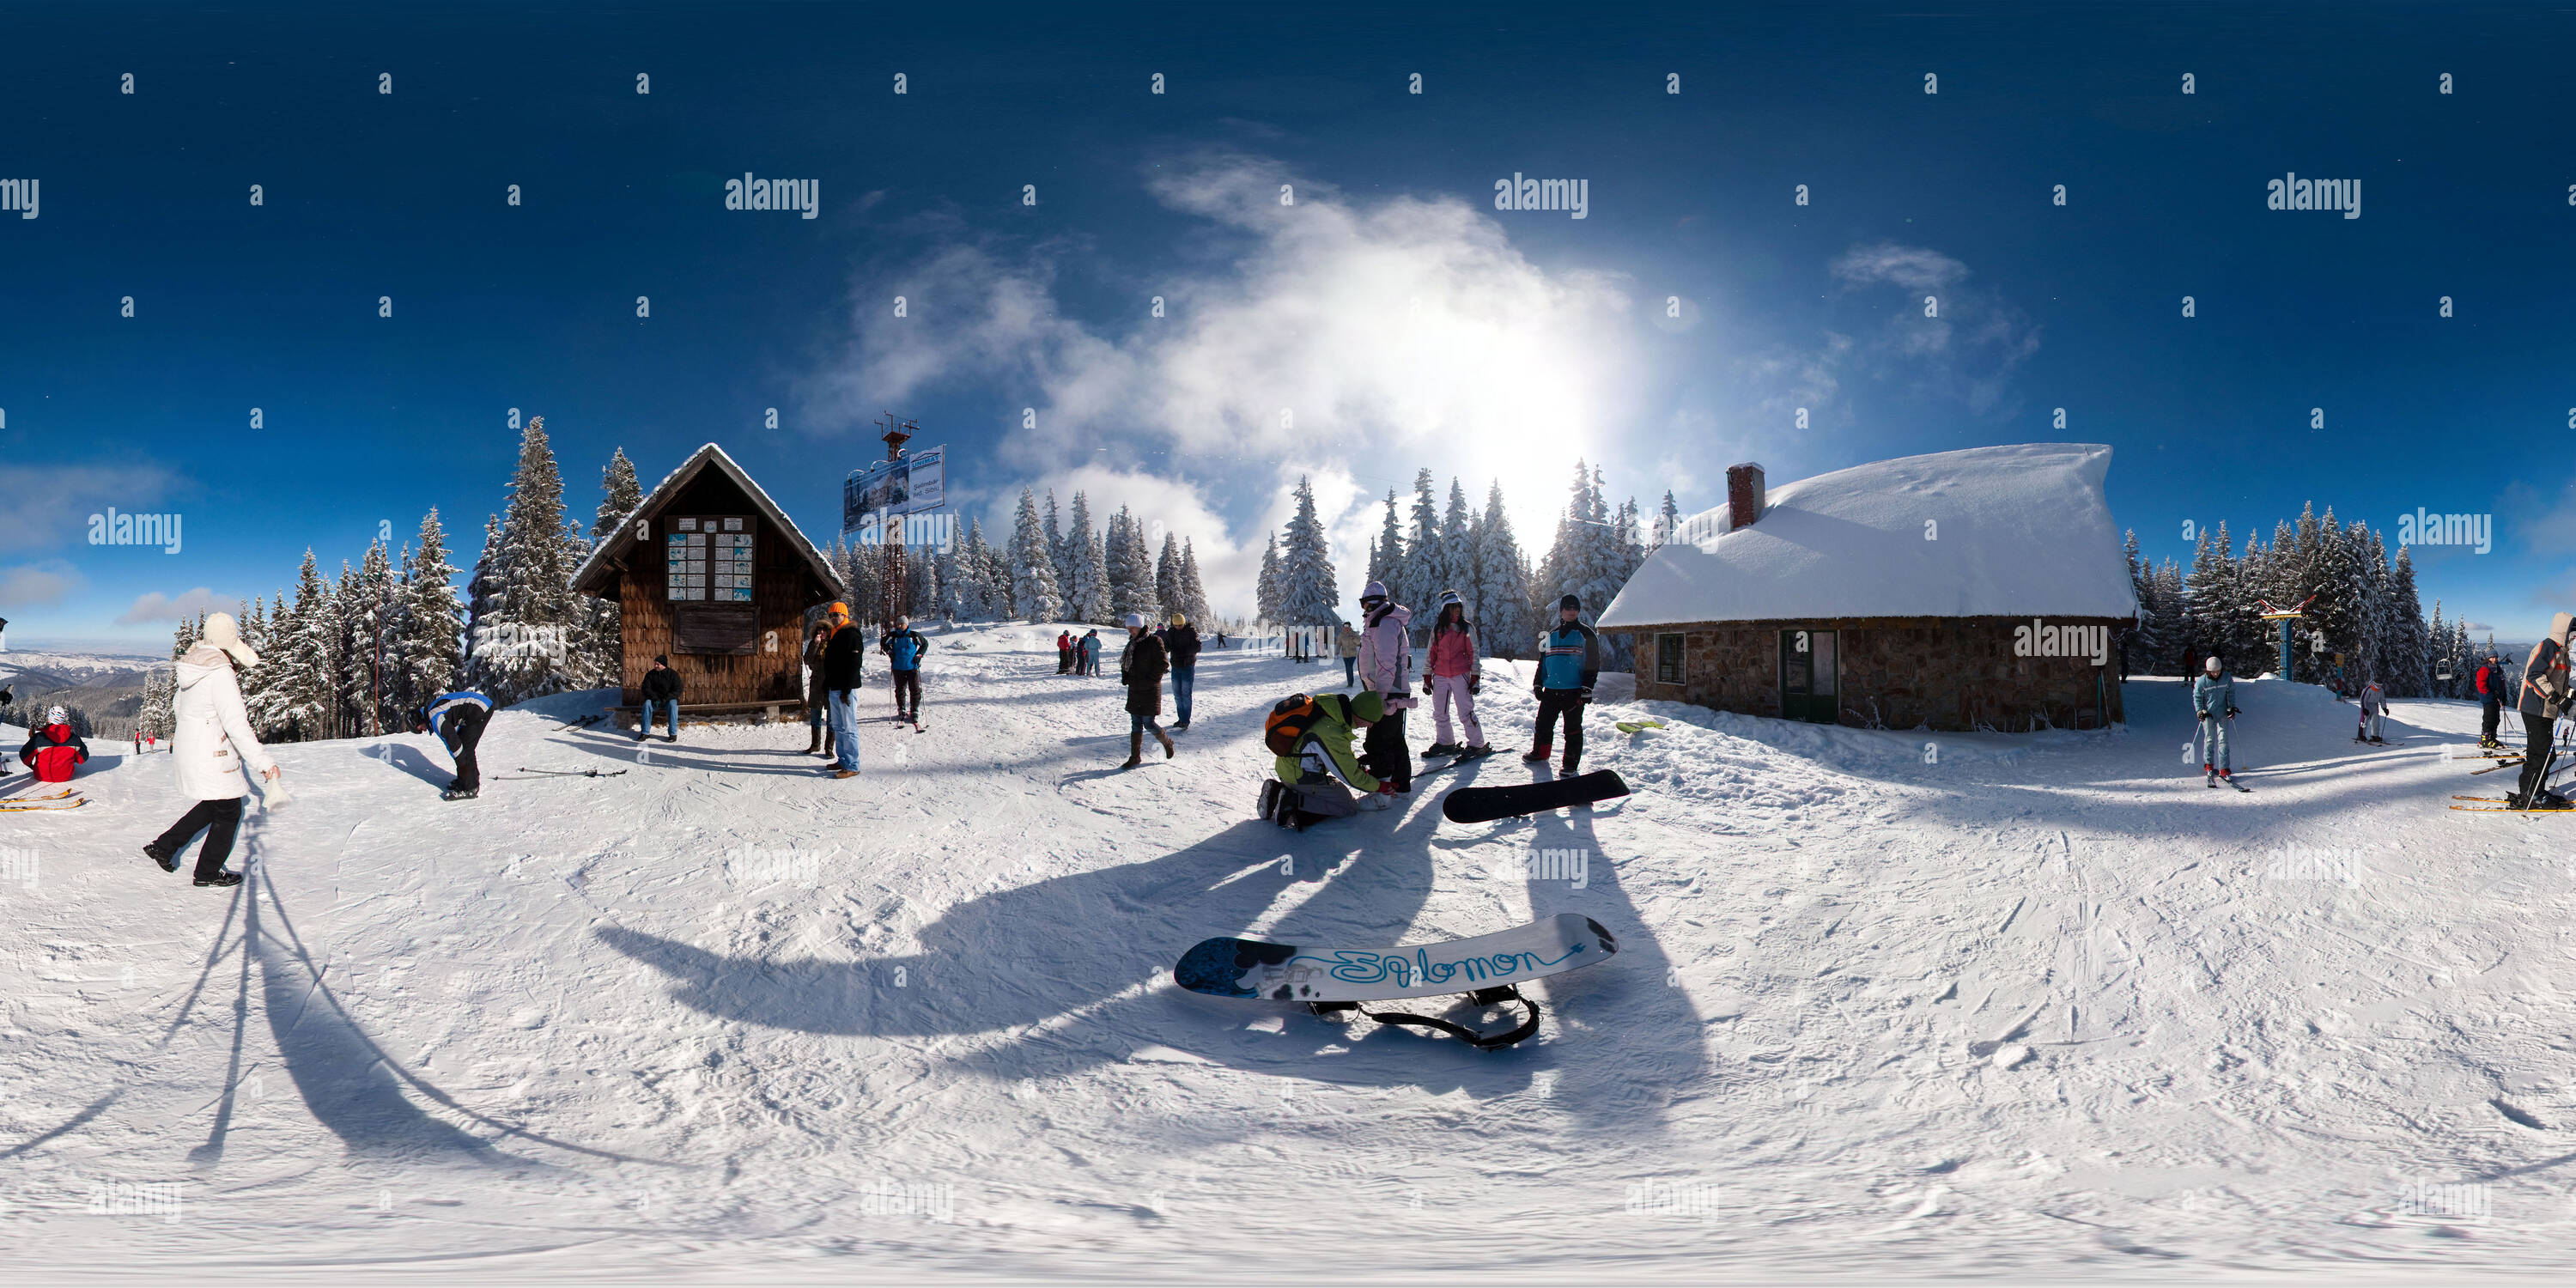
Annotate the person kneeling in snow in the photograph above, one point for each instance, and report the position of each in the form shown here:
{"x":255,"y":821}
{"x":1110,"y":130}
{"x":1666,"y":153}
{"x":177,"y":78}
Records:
{"x":52,"y":748}
{"x":458,"y":719}
{"x":1311,"y":738}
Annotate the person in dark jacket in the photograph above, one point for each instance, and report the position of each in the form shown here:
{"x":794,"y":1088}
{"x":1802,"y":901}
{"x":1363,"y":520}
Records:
{"x":1181,"y":644}
{"x":1140,"y":667}
{"x":661,"y":695}
{"x":1569,"y":661}
{"x":818,"y":715}
{"x":2491,"y":686}
{"x":903,"y":647}
{"x":2544,"y":698}
{"x":843,"y":656}
{"x":458,"y":719}
{"x":53,"y":749}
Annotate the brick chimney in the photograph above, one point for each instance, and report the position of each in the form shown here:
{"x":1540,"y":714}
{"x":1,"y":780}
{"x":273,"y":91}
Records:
{"x":1743,"y":495}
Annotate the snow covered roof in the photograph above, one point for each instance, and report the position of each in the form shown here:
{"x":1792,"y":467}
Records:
{"x":2020,"y":531}
{"x":609,"y":556}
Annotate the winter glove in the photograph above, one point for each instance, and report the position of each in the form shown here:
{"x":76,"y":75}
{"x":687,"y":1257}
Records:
{"x":2231,"y":713}
{"x":1475,"y":684}
{"x":1583,"y":696}
{"x":1426,"y":684}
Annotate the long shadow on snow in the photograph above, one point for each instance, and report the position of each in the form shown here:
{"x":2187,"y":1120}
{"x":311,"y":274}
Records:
{"x":1033,"y":952}
{"x":351,"y":1085}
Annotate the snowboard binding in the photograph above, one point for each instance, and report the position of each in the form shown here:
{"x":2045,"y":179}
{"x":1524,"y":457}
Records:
{"x":1495,"y":996}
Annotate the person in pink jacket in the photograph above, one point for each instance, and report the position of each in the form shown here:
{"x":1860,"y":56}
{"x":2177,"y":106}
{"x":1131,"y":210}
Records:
{"x":1453,"y":679}
{"x":1386,"y":669}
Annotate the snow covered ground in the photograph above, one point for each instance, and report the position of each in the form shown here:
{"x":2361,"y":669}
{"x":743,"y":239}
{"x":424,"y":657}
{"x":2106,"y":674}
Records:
{"x":721,"y":1016}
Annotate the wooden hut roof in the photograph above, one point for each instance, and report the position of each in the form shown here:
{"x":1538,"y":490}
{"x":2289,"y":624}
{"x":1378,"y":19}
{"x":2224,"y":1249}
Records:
{"x":609,"y":557}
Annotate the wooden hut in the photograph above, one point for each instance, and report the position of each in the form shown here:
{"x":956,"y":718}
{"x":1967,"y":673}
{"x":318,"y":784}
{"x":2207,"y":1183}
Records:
{"x":709,"y":572}
{"x":1977,"y":589}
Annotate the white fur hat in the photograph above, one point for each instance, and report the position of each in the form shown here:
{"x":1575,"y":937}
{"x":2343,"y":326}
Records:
{"x":224,"y":633}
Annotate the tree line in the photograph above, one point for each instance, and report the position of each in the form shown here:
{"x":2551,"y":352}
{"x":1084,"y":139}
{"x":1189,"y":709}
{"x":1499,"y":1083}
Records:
{"x":1453,"y":547}
{"x":2365,"y":610}
{"x":1044,"y":573}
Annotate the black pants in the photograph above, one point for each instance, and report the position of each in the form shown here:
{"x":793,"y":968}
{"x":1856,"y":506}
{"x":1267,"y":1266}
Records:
{"x":219,"y":820}
{"x":1384,"y":753}
{"x":908,"y":682}
{"x":2487,"y":721}
{"x":462,"y":731}
{"x":1063,"y":660}
{"x":2535,"y":757}
{"x":1569,"y":702}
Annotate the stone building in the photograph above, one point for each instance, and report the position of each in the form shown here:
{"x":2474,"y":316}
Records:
{"x":1976,"y":589}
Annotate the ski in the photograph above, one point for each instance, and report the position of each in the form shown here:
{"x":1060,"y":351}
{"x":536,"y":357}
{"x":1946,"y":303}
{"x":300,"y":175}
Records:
{"x":582,"y":723}
{"x":74,"y":803}
{"x":2490,"y":800}
{"x":1637,"y":726}
{"x":1461,"y":759}
{"x":2507,"y":809}
{"x":20,"y":800}
{"x":565,"y":773}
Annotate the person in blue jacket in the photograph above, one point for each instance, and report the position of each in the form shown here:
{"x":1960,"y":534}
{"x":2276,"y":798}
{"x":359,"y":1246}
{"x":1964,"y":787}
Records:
{"x":903,"y":647}
{"x":458,"y":719}
{"x":1569,"y":660}
{"x":2213,"y":699}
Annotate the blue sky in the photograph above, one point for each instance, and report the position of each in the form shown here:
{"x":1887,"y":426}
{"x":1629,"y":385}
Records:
{"x":1391,"y":312}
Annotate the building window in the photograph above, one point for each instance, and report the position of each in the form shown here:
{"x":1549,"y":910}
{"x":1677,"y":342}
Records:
{"x":1668,"y":658}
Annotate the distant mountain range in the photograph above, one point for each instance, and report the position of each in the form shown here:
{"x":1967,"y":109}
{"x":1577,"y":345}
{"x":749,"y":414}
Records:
{"x":106,"y":687}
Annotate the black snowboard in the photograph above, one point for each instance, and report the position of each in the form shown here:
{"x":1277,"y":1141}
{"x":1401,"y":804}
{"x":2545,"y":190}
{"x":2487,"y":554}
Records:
{"x":1485,"y":804}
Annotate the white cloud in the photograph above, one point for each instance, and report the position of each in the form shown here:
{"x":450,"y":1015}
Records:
{"x":49,"y":505}
{"x":27,"y":585}
{"x":1352,"y":341}
{"x":153,"y":606}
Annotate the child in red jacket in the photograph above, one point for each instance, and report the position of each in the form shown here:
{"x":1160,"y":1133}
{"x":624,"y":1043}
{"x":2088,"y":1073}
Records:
{"x":53,"y":749}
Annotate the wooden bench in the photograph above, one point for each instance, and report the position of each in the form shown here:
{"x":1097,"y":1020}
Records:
{"x":768,"y":709}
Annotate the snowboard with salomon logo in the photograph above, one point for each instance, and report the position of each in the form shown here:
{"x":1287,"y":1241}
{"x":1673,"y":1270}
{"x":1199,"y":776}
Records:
{"x":1254,"y":969}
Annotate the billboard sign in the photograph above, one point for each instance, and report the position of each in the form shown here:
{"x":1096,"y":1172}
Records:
{"x":915,"y":483}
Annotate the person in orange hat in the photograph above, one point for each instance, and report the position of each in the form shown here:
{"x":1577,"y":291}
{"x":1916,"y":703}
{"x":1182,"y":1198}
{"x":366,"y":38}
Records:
{"x":843,"y":656}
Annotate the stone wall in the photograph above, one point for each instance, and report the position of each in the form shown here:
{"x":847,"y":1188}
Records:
{"x":1955,"y":673}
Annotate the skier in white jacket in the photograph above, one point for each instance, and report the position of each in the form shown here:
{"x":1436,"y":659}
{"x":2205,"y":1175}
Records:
{"x":211,"y":740}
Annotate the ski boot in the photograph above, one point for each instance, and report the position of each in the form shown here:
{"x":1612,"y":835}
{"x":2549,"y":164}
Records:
{"x":1441,"y":749}
{"x":1473,"y":750}
{"x":168,"y":862}
{"x":459,"y":794}
{"x":220,"y":879}
{"x":1537,"y":755}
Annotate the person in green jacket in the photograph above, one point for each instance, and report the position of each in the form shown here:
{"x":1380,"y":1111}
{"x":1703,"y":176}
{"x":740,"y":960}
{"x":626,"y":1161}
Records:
{"x":1306,"y":788}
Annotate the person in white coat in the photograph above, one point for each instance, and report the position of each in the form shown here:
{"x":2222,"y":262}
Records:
{"x":211,"y":740}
